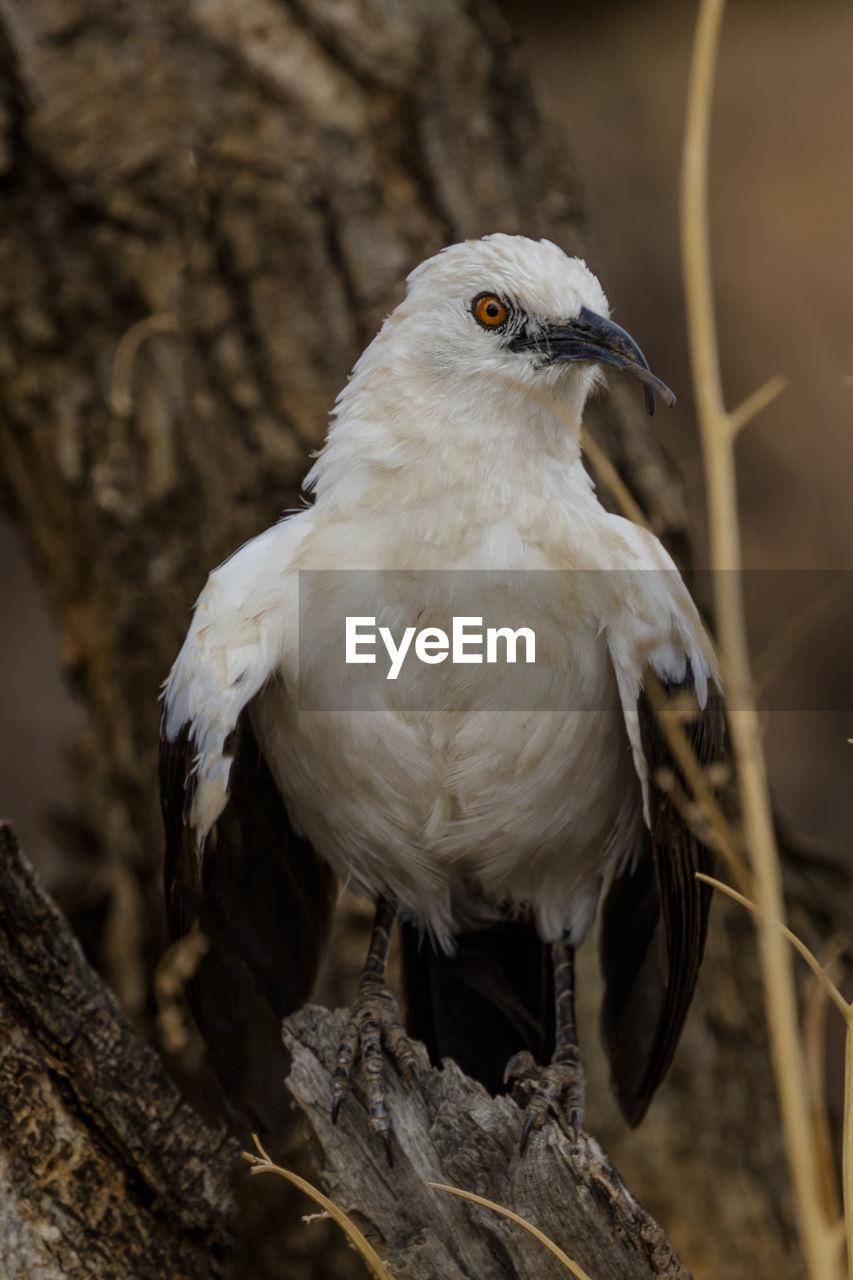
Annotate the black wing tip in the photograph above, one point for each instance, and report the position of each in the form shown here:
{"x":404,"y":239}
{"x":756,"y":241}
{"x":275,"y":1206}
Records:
{"x":634,"y":1106}
{"x":646,"y":1005}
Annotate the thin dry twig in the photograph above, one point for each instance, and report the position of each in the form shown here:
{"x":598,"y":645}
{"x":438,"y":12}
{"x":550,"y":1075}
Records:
{"x":606,"y":474}
{"x":755,"y":403}
{"x":554,"y":1249}
{"x":262,"y":1163}
{"x":834,"y":1236}
{"x":121,"y":398}
{"x":604,"y":469}
{"x":718,"y":430}
{"x":816,"y":1003}
{"x":796,"y":942}
{"x":696,"y":777}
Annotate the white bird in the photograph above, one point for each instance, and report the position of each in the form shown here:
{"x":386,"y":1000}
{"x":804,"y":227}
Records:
{"x":492,"y":832}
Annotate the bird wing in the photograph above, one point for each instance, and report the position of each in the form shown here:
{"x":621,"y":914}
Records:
{"x":235,"y":867}
{"x":655,"y":913}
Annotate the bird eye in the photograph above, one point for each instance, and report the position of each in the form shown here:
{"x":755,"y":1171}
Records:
{"x":490,"y":311}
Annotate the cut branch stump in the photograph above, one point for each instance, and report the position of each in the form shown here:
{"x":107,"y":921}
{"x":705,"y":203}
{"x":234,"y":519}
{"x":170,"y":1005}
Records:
{"x":447,"y":1129}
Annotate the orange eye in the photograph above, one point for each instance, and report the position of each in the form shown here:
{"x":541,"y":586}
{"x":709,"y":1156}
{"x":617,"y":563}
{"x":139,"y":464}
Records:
{"x":490,"y":311}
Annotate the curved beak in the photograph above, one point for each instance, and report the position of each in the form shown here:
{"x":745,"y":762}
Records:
{"x":590,"y":337}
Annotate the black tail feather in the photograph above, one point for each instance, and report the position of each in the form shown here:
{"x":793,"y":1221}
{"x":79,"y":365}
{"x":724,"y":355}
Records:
{"x":263,"y":901}
{"x":489,"y":1000}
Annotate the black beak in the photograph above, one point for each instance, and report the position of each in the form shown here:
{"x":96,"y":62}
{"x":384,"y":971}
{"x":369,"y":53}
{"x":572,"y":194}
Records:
{"x":592,"y":338}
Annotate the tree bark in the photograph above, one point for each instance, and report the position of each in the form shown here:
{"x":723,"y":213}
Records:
{"x":207,"y":210}
{"x":447,"y":1129}
{"x":104,"y":1171}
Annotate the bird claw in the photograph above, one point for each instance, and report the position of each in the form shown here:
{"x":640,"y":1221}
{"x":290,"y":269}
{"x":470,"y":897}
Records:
{"x":557,"y":1087}
{"x":374,"y":1024}
{"x":521,"y":1066}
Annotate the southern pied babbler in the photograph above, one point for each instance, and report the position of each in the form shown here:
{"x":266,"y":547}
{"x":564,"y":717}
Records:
{"x":491,"y":833}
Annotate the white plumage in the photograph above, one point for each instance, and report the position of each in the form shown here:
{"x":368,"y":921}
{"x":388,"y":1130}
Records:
{"x":450,"y":448}
{"x":439,"y":458}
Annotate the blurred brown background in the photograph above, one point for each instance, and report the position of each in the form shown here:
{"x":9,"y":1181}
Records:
{"x":611,"y":80}
{"x":614,"y":79}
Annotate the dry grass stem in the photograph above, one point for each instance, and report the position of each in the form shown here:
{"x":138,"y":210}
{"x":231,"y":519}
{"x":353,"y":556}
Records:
{"x":176,"y":969}
{"x":816,"y":1004}
{"x":717,"y":435}
{"x":819,"y":970}
{"x":685,"y":757}
{"x":606,"y":474}
{"x":754,"y":403}
{"x":121,"y":397}
{"x":552,"y":1248}
{"x":831,"y":1233}
{"x":847,"y":1145}
{"x":263,"y":1164}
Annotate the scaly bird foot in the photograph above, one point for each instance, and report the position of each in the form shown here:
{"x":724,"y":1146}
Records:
{"x":374,"y":1024}
{"x":557,"y":1087}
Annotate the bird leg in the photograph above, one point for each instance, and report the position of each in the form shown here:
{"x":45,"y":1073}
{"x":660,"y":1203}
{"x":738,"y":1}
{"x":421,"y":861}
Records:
{"x":561,"y":1082}
{"x":374,"y":1022}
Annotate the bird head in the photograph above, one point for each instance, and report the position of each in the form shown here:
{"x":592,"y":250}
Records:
{"x":489,"y":332}
{"x":519,"y":308}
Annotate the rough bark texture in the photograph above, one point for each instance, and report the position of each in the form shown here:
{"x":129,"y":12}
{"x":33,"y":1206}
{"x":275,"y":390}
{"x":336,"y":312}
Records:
{"x":449,"y":1130}
{"x":103,"y":1170}
{"x":206,"y":210}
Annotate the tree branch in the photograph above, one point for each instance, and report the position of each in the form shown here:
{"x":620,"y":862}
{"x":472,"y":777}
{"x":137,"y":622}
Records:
{"x":103,"y":1170}
{"x":448,"y":1129}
